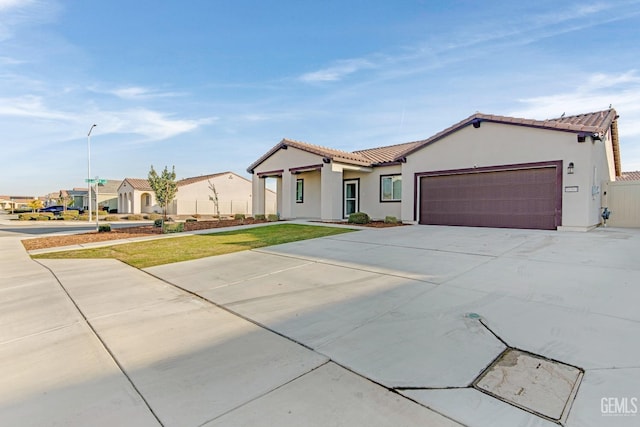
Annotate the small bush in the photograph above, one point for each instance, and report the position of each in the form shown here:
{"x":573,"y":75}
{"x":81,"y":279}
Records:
{"x":239,"y":216}
{"x":104,"y":228}
{"x":27,"y":217}
{"x":273,"y":218}
{"x":43,"y":218}
{"x":359,"y":218}
{"x":154,"y":216}
{"x":102,"y":213}
{"x":260,"y":217}
{"x":390,"y":220}
{"x":177,"y":227}
{"x":112,"y":218}
{"x":83,"y":217}
{"x":158,"y":222}
{"x":135,"y":217}
{"x":68,"y":217}
{"x":250,"y":218}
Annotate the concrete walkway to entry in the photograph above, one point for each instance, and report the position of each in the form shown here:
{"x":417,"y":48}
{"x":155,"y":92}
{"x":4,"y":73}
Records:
{"x":374,"y":328}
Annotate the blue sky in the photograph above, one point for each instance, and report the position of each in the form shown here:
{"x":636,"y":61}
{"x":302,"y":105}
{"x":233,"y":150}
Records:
{"x":210,"y":85}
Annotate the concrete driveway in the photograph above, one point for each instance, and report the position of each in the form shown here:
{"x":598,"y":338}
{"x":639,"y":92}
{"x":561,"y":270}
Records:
{"x":401,"y":326}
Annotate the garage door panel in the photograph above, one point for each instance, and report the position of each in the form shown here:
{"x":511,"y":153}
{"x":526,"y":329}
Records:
{"x":520,"y":198}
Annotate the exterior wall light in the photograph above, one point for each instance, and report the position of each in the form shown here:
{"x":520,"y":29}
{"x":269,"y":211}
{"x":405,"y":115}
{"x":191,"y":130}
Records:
{"x":570,"y":168}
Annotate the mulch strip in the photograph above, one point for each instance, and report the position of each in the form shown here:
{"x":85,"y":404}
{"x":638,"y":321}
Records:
{"x":123,"y":233}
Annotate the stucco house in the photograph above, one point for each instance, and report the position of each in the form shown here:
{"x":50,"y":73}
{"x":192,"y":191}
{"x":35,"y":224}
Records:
{"x":485,"y":170}
{"x":135,"y":196}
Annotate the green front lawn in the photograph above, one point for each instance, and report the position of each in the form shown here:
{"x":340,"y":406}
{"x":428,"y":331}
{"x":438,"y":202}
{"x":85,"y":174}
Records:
{"x":176,"y":249}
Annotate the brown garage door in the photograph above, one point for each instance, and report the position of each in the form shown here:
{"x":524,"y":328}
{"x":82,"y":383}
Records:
{"x":520,"y":198}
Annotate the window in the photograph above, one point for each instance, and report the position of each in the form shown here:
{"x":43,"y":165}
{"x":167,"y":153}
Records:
{"x":390,"y":188}
{"x":299,"y":190}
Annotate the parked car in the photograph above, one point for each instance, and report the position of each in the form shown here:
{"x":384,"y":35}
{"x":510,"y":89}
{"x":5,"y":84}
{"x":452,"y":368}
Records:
{"x":59,"y":209}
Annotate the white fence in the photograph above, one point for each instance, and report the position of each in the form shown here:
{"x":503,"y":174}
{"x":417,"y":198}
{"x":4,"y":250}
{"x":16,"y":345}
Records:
{"x":623,"y":200}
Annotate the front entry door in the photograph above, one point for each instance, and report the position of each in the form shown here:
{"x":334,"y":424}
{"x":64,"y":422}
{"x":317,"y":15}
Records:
{"x":351,"y":203}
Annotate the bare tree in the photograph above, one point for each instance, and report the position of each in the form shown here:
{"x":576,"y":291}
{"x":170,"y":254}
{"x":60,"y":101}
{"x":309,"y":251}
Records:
{"x":214,"y":198}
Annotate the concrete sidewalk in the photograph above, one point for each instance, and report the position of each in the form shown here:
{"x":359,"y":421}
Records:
{"x":379,"y":327}
{"x":95,"y":342}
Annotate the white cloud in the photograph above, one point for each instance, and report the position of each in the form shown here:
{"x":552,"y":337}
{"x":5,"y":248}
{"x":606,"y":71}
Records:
{"x":595,"y":93}
{"x":152,"y":125}
{"x":138,"y":92}
{"x":32,"y":107}
{"x":11,"y":4}
{"x":338,"y":71}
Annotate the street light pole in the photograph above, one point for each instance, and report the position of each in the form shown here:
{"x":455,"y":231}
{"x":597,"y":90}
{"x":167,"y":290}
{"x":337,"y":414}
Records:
{"x":89,"y":169}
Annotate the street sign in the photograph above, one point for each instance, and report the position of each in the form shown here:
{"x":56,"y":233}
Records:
{"x":96,"y":181}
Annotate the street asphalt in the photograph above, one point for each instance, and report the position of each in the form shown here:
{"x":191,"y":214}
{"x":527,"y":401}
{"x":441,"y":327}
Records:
{"x":380,"y":327}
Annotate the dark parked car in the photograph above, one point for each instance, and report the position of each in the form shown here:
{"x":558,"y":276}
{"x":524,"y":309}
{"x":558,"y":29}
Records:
{"x":58,"y":209}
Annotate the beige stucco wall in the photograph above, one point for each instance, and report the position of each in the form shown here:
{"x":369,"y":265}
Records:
{"x":370,"y":192}
{"x":285,"y":197}
{"x":497,"y":144}
{"x":310,"y":206}
{"x":234,"y":196}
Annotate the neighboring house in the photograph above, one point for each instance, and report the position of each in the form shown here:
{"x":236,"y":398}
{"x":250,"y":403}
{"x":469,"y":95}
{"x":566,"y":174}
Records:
{"x":11,"y":203}
{"x":234,"y":196}
{"x":107,"y":195}
{"x":486,"y":170}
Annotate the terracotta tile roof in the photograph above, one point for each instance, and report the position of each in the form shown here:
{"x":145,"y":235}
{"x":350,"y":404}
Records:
{"x":598,"y":122}
{"x":629,"y":176}
{"x":333,"y":154}
{"x":388,"y":154}
{"x":138,"y":184}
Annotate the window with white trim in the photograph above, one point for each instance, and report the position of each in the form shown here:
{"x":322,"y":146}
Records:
{"x":299,"y":190}
{"x":390,"y":188}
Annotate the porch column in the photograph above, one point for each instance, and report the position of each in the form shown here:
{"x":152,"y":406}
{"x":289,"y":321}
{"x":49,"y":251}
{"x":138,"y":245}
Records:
{"x":286,"y":189}
{"x":331,"y":193}
{"x":257,"y":195}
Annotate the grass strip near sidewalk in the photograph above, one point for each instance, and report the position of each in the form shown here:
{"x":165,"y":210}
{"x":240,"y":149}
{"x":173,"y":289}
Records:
{"x":183,"y":248}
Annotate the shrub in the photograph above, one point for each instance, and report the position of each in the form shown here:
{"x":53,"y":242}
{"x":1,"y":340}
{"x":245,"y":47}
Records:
{"x":238,"y":216}
{"x":27,"y":217}
{"x":250,"y":218}
{"x":104,"y":228}
{"x":260,"y":217}
{"x":112,"y":218}
{"x":273,"y":218}
{"x":83,"y":217}
{"x":43,"y":217}
{"x":102,"y":213}
{"x":158,"y":222}
{"x":68,"y":217}
{"x":154,"y":216}
{"x":135,"y":217}
{"x":177,"y":227}
{"x":359,"y":218}
{"x":390,"y":220}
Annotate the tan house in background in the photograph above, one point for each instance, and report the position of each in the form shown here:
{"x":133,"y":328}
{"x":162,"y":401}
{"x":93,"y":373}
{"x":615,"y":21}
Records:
{"x":135,"y":196}
{"x":485,"y":170}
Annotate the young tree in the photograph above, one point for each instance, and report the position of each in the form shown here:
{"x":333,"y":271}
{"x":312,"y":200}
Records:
{"x":164,"y":186}
{"x":214,"y":198}
{"x":35,"y":204}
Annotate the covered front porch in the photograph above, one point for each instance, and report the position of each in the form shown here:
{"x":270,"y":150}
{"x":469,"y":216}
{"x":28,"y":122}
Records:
{"x":317,"y":191}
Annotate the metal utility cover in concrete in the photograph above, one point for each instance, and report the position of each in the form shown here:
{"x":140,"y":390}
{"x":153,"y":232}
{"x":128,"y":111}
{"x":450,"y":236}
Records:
{"x":544,"y":387}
